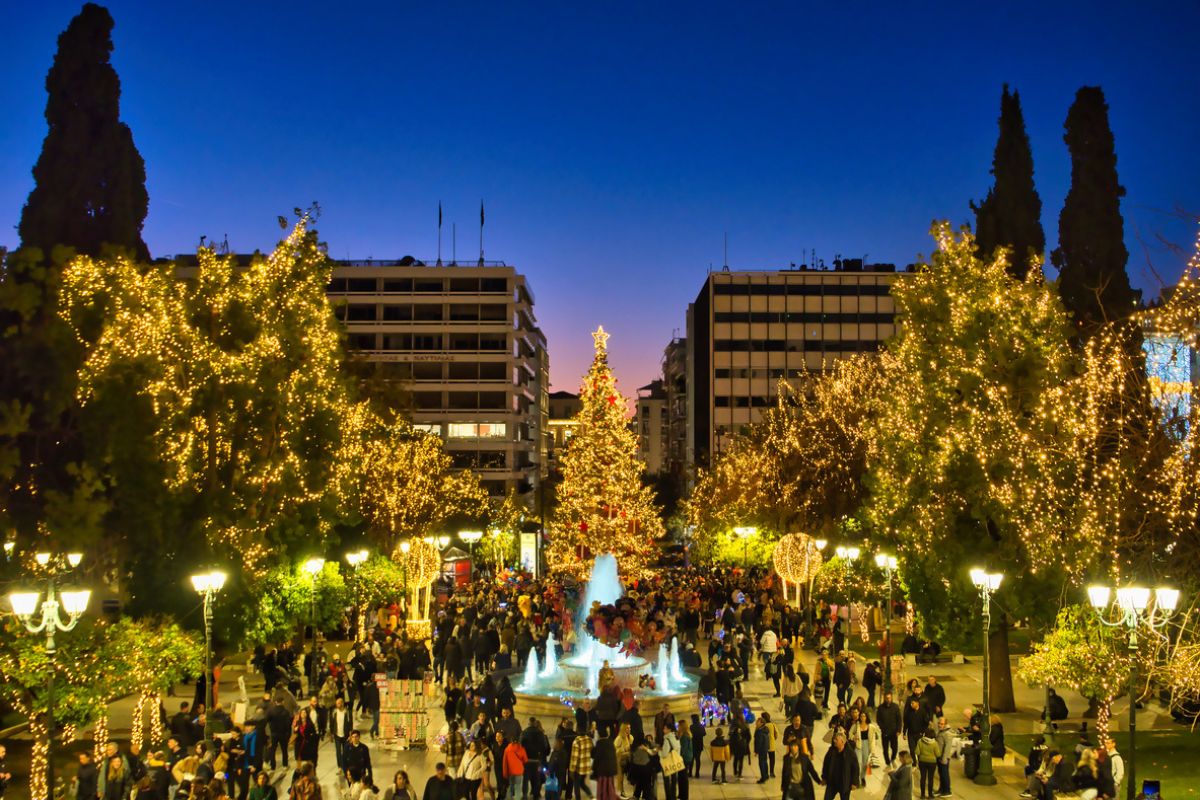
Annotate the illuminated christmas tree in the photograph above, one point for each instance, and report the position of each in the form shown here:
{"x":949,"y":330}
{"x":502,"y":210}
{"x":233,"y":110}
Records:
{"x":603,"y":505}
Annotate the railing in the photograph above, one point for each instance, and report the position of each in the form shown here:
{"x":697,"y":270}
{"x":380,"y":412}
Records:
{"x":414,"y":262}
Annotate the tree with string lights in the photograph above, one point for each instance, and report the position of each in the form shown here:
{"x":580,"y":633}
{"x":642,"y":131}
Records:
{"x":604,"y":506}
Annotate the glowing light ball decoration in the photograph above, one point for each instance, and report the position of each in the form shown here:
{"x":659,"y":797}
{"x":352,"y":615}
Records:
{"x":424,"y":564}
{"x":797,"y":560}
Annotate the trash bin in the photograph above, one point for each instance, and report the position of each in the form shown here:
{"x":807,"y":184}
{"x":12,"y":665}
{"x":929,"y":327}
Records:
{"x":970,"y":756}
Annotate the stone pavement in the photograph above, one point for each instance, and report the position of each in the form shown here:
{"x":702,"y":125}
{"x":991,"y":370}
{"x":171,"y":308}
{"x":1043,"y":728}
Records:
{"x":962,"y":682}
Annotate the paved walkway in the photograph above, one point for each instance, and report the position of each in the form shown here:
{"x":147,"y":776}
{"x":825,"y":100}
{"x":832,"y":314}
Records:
{"x":962,"y":682}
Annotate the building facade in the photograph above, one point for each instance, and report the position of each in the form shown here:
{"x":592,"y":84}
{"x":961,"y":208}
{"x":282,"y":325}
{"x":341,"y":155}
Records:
{"x":748,"y":330}
{"x":465,"y":343}
{"x":674,"y":378}
{"x":650,"y":422}
{"x":563,"y":406}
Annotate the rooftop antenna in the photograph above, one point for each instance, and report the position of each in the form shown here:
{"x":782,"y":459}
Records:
{"x":454,"y":244}
{"x":481,"y":233}
{"x":725,"y":266}
{"x":439,"y":263}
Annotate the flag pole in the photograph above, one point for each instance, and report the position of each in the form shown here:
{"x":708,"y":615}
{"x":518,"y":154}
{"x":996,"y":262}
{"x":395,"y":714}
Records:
{"x":439,"y":262}
{"x":481,"y":233}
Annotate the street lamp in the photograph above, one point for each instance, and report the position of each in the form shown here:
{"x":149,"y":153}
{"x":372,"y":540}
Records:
{"x":208,"y":584}
{"x":25,"y":607}
{"x":355,"y":560}
{"x":471,"y":537}
{"x":888,"y":565}
{"x":744,"y":533}
{"x":442,"y":541}
{"x":313,"y":567}
{"x":1133,"y":608}
{"x":986,"y":582}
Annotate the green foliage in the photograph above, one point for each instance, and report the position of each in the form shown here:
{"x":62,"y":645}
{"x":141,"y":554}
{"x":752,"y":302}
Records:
{"x":284,"y":603}
{"x":1080,"y":653}
{"x":726,"y":547}
{"x":956,"y":471}
{"x":1011,"y":214}
{"x":1091,"y":254}
{"x":90,"y":186}
{"x":841,"y":581}
{"x":377,"y":582}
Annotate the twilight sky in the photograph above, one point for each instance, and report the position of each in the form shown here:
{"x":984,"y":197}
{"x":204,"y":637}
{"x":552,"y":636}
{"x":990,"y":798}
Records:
{"x":615,"y":143}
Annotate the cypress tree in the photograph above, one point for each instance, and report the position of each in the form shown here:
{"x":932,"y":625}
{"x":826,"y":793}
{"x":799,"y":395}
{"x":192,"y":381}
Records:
{"x":1091,"y":252}
{"x":1010,"y":215}
{"x":90,"y":180}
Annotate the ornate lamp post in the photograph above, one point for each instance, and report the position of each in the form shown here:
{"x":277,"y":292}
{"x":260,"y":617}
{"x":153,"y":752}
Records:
{"x":355,"y":560}
{"x":744,"y":533}
{"x":471,"y":537}
{"x":313,"y":567}
{"x":207,"y":584}
{"x":50,"y":621}
{"x":986,"y":582}
{"x":848,"y":555}
{"x":821,"y":544}
{"x":888,"y":565}
{"x":1131,"y":609}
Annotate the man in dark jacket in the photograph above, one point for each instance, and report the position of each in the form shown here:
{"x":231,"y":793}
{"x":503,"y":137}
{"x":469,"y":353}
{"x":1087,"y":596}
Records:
{"x":762,"y":746}
{"x":508,"y":725}
{"x":87,"y":777}
{"x":842,"y":679}
{"x":181,"y":727}
{"x":935,"y":697}
{"x":916,"y":722}
{"x":871,"y":679}
{"x":604,"y":762}
{"x":440,"y":785}
{"x":279,"y":723}
{"x":887,"y":716}
{"x":537,"y":750}
{"x":840,"y":770}
{"x":357,"y":759}
{"x":798,"y":774}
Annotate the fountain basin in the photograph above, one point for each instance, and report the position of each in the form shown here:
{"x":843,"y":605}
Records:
{"x":575,"y":675}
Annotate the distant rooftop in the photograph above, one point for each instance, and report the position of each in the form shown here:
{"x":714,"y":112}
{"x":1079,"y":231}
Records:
{"x":838,"y":265}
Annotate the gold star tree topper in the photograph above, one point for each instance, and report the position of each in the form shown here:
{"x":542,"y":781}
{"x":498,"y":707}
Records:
{"x":600,"y":336}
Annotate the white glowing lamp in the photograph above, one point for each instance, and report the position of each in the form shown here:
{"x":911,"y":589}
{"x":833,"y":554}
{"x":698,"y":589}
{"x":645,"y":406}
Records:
{"x":1099,"y":596}
{"x":745,"y":532}
{"x":1133,"y":598}
{"x":208,"y":581}
{"x":1166,"y":599}
{"x":74,"y":558}
{"x":42,"y":559}
{"x":75,"y":603}
{"x":405,"y":546}
{"x":23,"y":603}
{"x":470,"y":537}
{"x":821,"y":544}
{"x":314,"y":565}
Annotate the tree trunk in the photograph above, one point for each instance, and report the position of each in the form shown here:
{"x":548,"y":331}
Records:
{"x":1001,"y":685}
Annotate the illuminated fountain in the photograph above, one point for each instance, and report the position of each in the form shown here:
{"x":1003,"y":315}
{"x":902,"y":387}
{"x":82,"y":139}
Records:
{"x":576,"y":677}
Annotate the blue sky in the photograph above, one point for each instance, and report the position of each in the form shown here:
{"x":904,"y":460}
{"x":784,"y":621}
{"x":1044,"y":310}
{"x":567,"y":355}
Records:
{"x":616,"y":143}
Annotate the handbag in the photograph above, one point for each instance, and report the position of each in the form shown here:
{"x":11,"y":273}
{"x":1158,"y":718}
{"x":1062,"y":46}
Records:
{"x":672,"y":762}
{"x":551,"y":784}
{"x":828,"y":737}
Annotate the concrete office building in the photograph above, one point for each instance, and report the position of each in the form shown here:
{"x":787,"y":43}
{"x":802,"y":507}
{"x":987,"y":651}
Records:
{"x":674,"y":378}
{"x":563,"y":406}
{"x":465,"y":341}
{"x":747,"y":330}
{"x":650,"y":424}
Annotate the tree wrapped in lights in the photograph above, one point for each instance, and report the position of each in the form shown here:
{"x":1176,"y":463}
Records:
{"x":603,"y":505}
{"x":406,"y":483}
{"x":963,"y":441}
{"x":1082,"y":654}
{"x":797,"y":560}
{"x":241,"y":367}
{"x":800,"y":466}
{"x":507,"y":518}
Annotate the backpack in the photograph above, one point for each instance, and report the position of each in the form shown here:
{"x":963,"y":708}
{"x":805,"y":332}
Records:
{"x":640,"y":757}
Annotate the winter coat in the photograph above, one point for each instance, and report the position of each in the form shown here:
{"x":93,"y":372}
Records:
{"x":928,"y":751}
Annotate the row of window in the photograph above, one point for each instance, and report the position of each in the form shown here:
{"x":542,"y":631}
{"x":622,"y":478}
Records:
{"x":421,"y":312}
{"x":801,"y":289}
{"x":423,"y":285}
{"x":427,"y":342}
{"x":461,"y":401}
{"x":793,"y":345}
{"x":773,"y":373}
{"x":802,"y":316}
{"x":442,"y":371}
{"x":743,"y":402}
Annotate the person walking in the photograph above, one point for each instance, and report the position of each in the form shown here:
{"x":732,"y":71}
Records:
{"x":604,"y":764}
{"x":537,"y":750}
{"x":476,"y":767}
{"x":718,"y":753}
{"x":668,"y":750}
{"x":798,"y":774}
{"x":762,"y":746}
{"x":515,"y":759}
{"x":927,"y":753}
{"x":623,"y":745}
{"x":440,"y":785}
{"x":900,"y":780}
{"x":581,"y":764}
{"x":945,"y":740}
{"x":839,"y":771}
{"x":698,"y":735}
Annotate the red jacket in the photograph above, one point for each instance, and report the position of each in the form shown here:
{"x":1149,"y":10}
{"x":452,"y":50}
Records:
{"x":514,"y":760}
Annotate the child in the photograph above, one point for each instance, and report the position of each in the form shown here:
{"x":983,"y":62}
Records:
{"x":719,"y":753}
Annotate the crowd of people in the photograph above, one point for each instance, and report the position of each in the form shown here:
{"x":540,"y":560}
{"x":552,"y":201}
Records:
{"x":609,"y":747}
